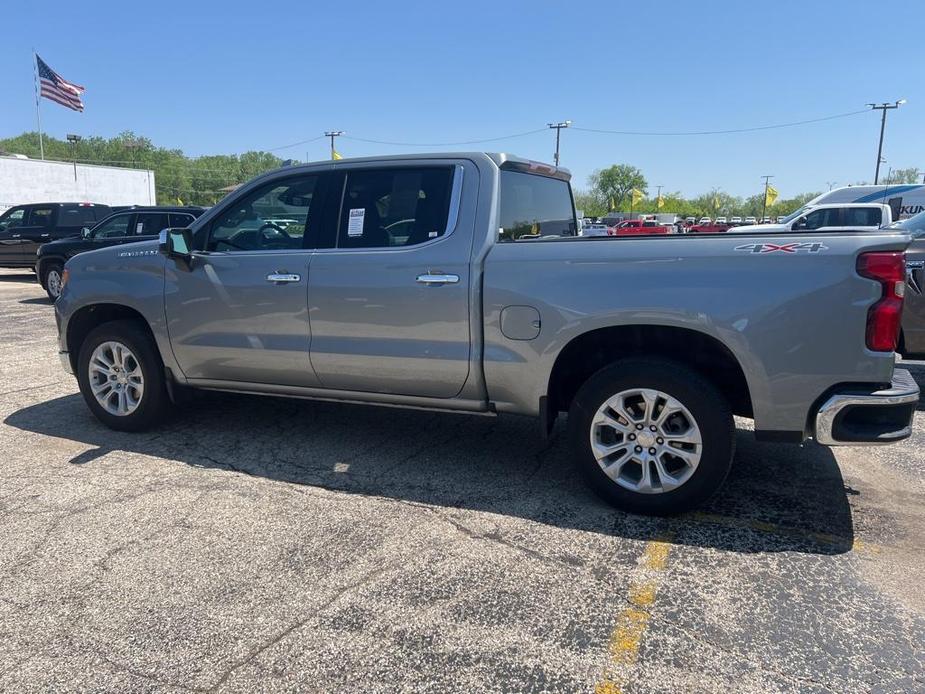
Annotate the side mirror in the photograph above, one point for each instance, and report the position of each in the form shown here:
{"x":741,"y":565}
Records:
{"x":176,"y":243}
{"x":799,"y":224}
{"x":85,"y":233}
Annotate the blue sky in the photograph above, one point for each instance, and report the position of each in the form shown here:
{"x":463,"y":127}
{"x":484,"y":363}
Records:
{"x":229,"y":77}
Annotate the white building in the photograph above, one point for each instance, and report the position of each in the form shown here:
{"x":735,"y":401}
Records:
{"x":25,"y":180}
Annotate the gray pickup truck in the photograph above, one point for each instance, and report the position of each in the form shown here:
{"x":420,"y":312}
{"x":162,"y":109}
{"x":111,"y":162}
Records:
{"x":458,"y":282}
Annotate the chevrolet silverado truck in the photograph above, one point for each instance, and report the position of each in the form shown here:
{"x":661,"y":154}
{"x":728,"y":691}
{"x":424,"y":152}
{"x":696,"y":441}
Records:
{"x":458,"y":282}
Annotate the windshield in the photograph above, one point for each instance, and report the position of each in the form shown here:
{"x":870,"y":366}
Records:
{"x":793,"y":215}
{"x":914,"y":225}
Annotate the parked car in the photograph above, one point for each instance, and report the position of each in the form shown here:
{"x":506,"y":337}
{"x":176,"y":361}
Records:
{"x":492,"y":305}
{"x":24,"y":228}
{"x":596,"y":230}
{"x":720,"y":220}
{"x":705,"y":220}
{"x":690,"y":220}
{"x":912,"y":336}
{"x":866,"y":216}
{"x":131,"y":225}
{"x":638,"y":227}
{"x":751,"y":220}
{"x":781,"y":218}
{"x":735,"y":220}
{"x":765,"y":220}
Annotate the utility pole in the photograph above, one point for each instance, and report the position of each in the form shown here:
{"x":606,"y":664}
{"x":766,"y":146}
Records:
{"x":830,"y":184}
{"x":332,"y":134}
{"x":884,"y":108}
{"x":558,"y":128}
{"x":764,"y":203}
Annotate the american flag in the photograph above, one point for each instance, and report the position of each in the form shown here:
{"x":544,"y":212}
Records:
{"x":57,"y":88}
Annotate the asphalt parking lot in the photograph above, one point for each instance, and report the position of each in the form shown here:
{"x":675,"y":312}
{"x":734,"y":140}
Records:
{"x":258,"y":544}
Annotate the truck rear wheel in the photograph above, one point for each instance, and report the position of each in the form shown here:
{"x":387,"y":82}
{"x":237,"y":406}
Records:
{"x":121,"y":376}
{"x":651,"y":435}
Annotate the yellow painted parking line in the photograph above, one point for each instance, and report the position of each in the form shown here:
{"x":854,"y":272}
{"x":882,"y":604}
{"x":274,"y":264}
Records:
{"x":633,"y":620}
{"x":783,"y":530}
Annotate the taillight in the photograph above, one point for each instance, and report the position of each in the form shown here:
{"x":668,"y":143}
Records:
{"x":884,"y":317}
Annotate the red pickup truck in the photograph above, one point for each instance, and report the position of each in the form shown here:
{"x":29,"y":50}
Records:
{"x":636,"y":227}
{"x":711,"y":228}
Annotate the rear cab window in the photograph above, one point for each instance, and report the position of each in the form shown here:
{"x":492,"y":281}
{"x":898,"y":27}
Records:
{"x":534,"y":206}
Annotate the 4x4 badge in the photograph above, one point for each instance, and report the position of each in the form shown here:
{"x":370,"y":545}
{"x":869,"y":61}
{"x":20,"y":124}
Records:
{"x":807,"y":247}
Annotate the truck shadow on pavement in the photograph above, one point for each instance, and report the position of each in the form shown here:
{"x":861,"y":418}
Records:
{"x":778,"y":497}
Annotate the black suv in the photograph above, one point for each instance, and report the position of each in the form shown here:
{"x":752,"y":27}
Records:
{"x":24,"y":228}
{"x":127,"y":226}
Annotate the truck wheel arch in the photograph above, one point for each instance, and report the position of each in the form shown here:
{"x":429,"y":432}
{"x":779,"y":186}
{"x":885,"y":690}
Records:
{"x":591,"y":351}
{"x":87,"y":318}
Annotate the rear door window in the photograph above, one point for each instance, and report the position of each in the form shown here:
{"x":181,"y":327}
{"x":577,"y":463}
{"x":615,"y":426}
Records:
{"x":534,"y":206}
{"x":150,"y":223}
{"x":863,"y":217}
{"x":389,"y":208}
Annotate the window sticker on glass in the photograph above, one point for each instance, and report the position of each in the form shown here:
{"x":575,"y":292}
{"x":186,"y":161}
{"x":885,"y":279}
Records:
{"x":140,"y":228}
{"x":355,"y":225}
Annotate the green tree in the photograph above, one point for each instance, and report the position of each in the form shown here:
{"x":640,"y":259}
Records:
{"x":613,"y":185}
{"x":589,"y":204}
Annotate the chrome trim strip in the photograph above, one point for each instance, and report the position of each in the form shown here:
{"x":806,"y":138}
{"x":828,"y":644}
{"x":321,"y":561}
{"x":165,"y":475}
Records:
{"x":902,"y":391}
{"x":455,"y":200}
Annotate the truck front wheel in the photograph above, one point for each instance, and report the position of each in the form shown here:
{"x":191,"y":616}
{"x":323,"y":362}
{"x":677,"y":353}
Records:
{"x":121,"y":376}
{"x":651,"y":435}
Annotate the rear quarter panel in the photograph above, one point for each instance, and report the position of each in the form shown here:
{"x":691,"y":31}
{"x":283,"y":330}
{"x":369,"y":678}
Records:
{"x":795,"y":321}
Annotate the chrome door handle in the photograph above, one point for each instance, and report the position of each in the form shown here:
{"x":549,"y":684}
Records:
{"x":437,"y":278}
{"x":282,"y":277}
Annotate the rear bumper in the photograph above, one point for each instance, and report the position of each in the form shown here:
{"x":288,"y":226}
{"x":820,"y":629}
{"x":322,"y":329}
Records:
{"x":857,"y":418}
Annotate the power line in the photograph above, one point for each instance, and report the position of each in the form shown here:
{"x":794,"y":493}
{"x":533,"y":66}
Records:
{"x":295,"y":144}
{"x":722,"y":132}
{"x":445,"y":144}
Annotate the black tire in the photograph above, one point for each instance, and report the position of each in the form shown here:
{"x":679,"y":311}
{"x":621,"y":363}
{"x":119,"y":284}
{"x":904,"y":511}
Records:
{"x":47,"y":274}
{"x":704,"y":402}
{"x":154,"y":401}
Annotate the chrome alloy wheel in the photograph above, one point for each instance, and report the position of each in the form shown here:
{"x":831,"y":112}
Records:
{"x":116,"y":379}
{"x":53,"y":282}
{"x":646,"y":441}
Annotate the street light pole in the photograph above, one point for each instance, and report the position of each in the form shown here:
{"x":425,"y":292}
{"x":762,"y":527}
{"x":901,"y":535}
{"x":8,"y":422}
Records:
{"x":764,"y":203}
{"x":74,"y":139}
{"x":332,"y":134}
{"x":558,"y":128}
{"x":884,"y":108}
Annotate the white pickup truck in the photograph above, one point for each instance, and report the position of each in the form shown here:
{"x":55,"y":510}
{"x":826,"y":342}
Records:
{"x":828,"y":217}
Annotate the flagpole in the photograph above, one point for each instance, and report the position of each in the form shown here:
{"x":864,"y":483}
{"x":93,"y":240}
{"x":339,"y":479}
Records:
{"x":38,"y":116}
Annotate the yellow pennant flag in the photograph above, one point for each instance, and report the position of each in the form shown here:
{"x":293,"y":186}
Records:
{"x":637,"y":196}
{"x":179,"y":201}
{"x":612,"y":206}
{"x":770,"y":196}
{"x":335,"y":154}
{"x":660,"y":203}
